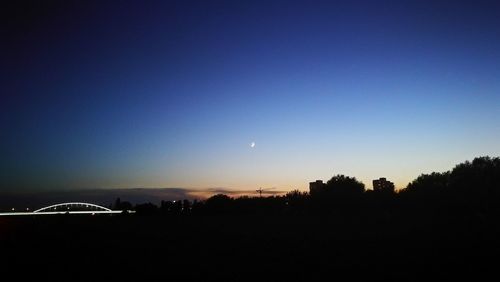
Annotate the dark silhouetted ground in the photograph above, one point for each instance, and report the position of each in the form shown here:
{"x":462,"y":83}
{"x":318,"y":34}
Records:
{"x":259,"y":248}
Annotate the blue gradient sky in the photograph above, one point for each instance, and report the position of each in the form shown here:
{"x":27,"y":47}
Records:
{"x":104,"y":94}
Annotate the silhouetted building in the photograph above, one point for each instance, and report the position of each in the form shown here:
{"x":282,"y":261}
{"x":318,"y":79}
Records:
{"x":382,"y":184}
{"x":316,"y":186}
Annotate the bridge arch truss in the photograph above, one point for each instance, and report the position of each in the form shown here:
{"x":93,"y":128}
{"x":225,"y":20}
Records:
{"x":72,"y":205}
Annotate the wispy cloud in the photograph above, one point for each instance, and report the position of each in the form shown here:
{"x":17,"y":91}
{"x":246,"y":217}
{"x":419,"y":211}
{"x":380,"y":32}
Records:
{"x":206,"y":193}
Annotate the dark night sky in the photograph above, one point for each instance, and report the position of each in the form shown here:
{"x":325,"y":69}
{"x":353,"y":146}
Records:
{"x":108,"y":94}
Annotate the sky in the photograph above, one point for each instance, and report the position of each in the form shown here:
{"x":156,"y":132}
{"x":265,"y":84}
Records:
{"x":141,"y":94}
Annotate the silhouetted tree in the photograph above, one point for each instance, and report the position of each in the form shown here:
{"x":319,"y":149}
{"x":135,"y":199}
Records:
{"x":340,"y":192}
{"x":296,"y":201}
{"x":477,"y":183}
{"x":246,"y":205}
{"x":429,"y":184}
{"x":340,"y":185}
{"x":218,"y":204}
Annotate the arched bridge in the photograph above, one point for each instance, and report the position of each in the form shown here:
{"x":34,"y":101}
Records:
{"x":73,"y":206}
{"x":69,"y":208}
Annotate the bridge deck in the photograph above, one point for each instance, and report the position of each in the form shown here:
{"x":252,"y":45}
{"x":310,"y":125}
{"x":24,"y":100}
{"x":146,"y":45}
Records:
{"x":61,"y":212}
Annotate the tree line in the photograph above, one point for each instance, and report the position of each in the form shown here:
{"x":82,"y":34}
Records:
{"x":472,"y":187}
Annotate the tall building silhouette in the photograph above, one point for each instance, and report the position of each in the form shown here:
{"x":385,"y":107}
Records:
{"x":316,"y":186}
{"x":383,"y":185}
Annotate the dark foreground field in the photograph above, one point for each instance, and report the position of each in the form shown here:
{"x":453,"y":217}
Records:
{"x":260,"y":248}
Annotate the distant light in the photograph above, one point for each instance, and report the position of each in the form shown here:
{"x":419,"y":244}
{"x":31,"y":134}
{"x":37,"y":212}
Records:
{"x":13,"y":209}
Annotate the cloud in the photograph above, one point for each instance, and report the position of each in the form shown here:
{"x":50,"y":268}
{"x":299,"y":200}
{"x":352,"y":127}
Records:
{"x":206,"y":193}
